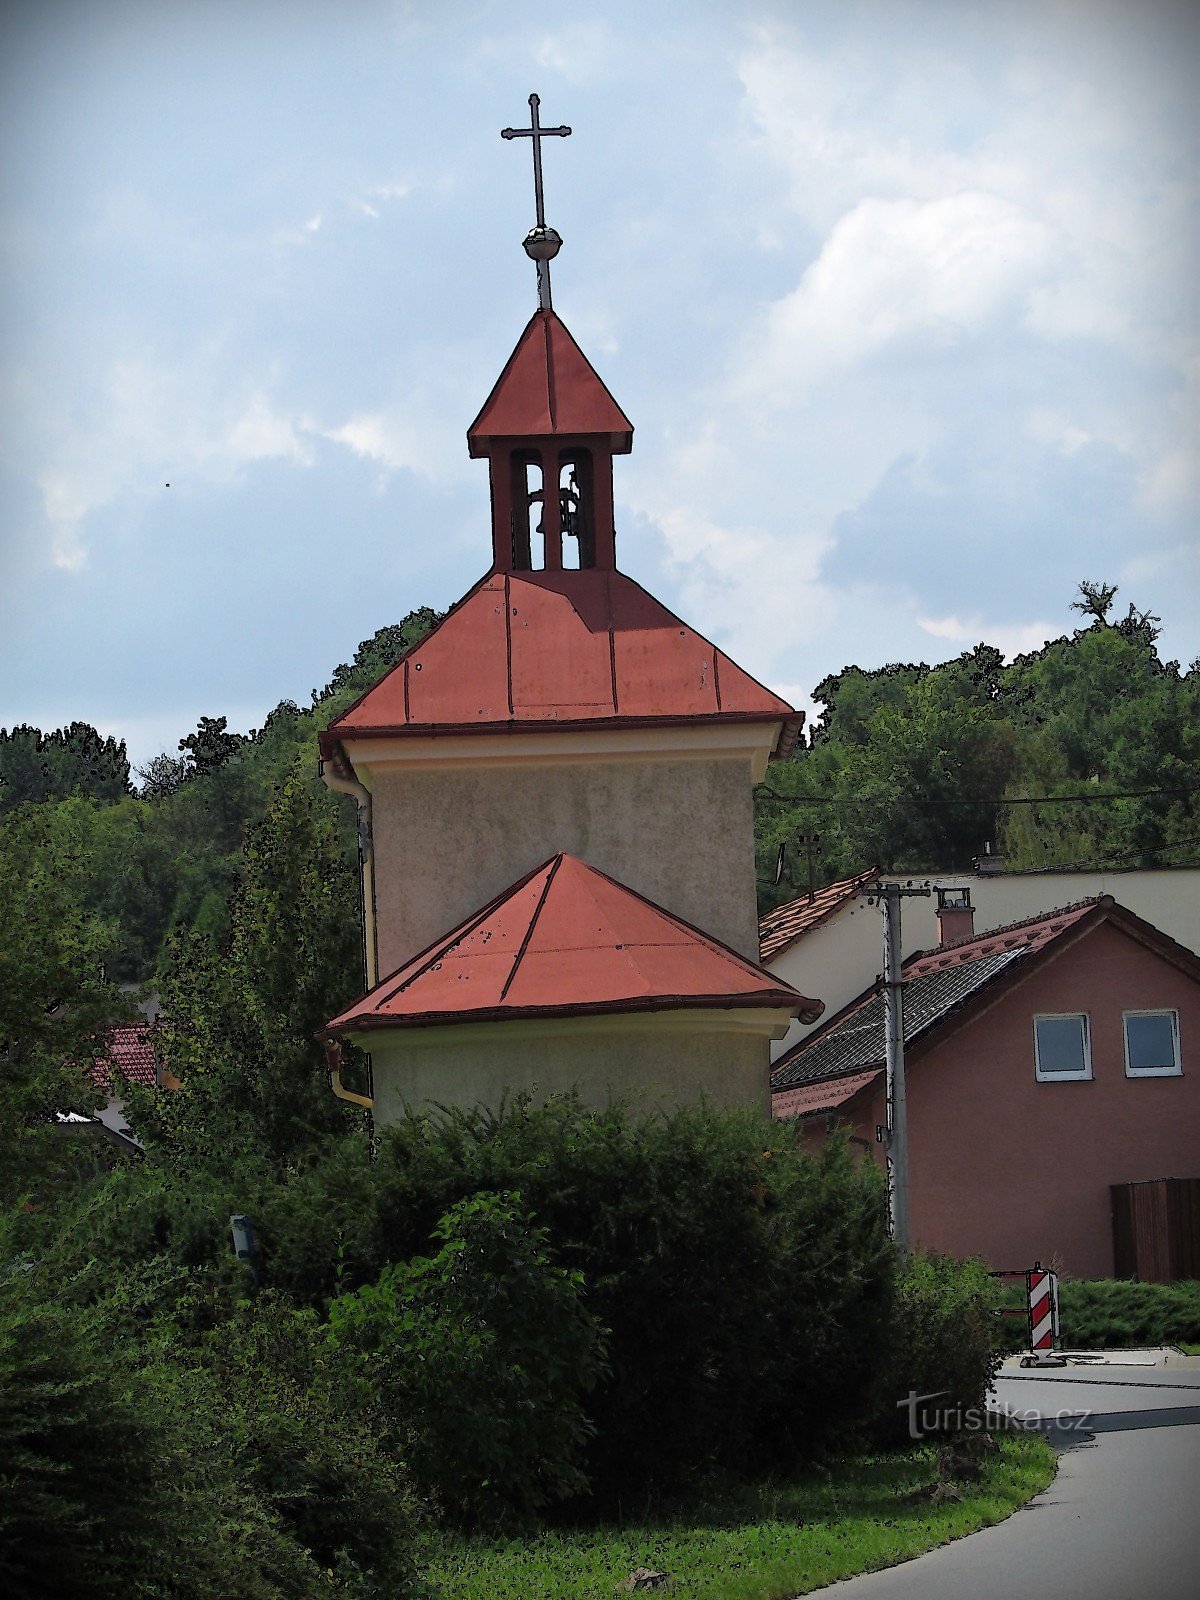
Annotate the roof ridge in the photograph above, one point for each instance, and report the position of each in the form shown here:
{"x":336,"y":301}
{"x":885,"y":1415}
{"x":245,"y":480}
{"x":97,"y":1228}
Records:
{"x":1040,"y":918}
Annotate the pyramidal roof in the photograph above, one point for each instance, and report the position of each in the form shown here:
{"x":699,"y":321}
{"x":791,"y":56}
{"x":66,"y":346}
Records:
{"x":569,"y":649}
{"x":567,"y":940}
{"x":549,"y":387}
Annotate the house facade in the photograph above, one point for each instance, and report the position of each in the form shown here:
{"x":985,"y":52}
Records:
{"x":1046,"y":1064}
{"x":833,"y":942}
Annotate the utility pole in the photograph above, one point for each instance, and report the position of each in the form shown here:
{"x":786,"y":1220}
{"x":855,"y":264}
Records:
{"x":896,"y":1140}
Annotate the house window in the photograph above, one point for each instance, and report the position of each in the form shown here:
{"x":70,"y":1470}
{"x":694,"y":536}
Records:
{"x":1152,"y":1044}
{"x":1062,"y":1047}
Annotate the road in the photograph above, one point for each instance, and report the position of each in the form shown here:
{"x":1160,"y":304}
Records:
{"x":1121,"y":1521}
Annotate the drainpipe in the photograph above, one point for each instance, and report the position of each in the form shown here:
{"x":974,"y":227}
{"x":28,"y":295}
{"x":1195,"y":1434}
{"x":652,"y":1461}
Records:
{"x":366,"y":856}
{"x":333,"y":1064}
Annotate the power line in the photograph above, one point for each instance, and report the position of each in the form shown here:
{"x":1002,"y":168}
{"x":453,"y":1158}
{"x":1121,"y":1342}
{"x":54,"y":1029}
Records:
{"x":1016,"y":800}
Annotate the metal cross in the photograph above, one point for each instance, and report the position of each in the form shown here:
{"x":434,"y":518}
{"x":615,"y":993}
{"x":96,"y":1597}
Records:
{"x":543,"y":243}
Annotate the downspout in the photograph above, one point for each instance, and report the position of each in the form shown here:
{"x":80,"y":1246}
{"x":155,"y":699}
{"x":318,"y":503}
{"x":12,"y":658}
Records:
{"x":333,"y":1063}
{"x":366,"y":857}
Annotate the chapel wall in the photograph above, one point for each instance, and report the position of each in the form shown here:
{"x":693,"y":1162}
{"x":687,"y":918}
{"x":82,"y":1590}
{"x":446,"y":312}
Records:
{"x":643,"y":1066}
{"x":447,"y":840}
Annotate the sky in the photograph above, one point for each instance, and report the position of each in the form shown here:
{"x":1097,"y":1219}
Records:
{"x":901,"y":296}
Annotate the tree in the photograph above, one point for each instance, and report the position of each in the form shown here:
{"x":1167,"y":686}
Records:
{"x":72,"y":760}
{"x":55,"y":1001}
{"x":380,"y":653}
{"x":242,"y":1020}
{"x":211,"y":746}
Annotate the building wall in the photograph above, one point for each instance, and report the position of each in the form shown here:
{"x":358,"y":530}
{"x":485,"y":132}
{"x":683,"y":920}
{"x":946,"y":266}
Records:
{"x":448,"y":839}
{"x":844,"y":956}
{"x":661,"y":1060}
{"x":1015,"y":1170}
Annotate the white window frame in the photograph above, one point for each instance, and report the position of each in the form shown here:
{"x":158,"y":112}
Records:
{"x":1063,"y":1077}
{"x":1173,"y":1071}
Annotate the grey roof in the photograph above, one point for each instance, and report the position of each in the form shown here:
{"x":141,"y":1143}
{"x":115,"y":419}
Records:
{"x":856,"y":1042}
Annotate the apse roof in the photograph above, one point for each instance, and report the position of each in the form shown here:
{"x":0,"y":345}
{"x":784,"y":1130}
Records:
{"x":574,"y":649}
{"x":567,"y":940}
{"x":549,"y":387}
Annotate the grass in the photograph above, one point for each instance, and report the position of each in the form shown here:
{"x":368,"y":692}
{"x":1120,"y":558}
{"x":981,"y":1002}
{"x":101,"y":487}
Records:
{"x":761,"y":1543}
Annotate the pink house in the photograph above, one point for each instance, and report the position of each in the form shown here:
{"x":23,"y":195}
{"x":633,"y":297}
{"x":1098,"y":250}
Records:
{"x":1047,"y":1062}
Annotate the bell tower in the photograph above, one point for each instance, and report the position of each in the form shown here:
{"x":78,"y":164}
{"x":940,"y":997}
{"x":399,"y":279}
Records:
{"x":549,"y":431}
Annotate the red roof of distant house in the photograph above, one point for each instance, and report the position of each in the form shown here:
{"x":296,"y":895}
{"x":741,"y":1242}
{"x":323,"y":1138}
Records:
{"x":550,"y":388}
{"x":778,"y":930}
{"x":567,"y":940}
{"x":129,"y":1049}
{"x":942,"y":989}
{"x":577,"y":649}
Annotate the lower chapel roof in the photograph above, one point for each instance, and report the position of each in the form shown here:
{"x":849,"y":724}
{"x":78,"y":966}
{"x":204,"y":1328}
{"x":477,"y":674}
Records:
{"x":572,"y":649}
{"x":568,"y":940}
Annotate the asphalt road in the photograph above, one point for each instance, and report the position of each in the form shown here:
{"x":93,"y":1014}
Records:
{"x":1121,"y":1521}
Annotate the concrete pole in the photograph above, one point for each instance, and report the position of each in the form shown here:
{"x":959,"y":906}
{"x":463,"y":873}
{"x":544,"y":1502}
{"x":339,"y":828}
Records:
{"x":893,"y":1014}
{"x":890,"y":895}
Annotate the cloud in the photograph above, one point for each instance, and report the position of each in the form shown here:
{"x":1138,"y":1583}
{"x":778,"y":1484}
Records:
{"x":900,"y":270}
{"x":148,"y":423}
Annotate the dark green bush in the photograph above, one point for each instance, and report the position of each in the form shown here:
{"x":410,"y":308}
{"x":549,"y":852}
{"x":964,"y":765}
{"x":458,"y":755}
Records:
{"x":1111,"y":1313}
{"x":745,"y":1284}
{"x":943,"y":1345}
{"x":483,"y":1353}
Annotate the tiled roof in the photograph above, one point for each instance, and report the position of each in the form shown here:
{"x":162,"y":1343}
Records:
{"x":858,"y":1041}
{"x":807,"y":1099}
{"x":778,"y":930}
{"x":937,"y":984}
{"x":567,"y":940}
{"x":130,"y":1048}
{"x":549,"y":388}
{"x":577,"y":649}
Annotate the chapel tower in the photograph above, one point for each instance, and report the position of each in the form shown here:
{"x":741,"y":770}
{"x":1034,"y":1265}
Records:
{"x":555,"y":787}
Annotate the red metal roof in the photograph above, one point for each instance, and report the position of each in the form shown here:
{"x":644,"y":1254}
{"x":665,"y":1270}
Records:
{"x":779,"y":929}
{"x":549,"y":387}
{"x":530,"y":650}
{"x":131,"y":1050}
{"x":567,"y":940}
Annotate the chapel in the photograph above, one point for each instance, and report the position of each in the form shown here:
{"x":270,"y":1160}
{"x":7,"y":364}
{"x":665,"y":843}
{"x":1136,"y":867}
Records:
{"x":555,"y":794}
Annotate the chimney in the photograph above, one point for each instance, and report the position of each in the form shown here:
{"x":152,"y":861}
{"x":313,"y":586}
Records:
{"x":956,"y":917}
{"x":990,"y":861}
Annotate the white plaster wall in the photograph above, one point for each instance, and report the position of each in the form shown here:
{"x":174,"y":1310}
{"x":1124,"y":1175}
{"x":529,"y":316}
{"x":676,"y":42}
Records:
{"x":637,"y":1060}
{"x":844,"y":956}
{"x":448,"y":839}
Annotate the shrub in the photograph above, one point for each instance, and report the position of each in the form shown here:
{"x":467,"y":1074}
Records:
{"x":943,"y":1343}
{"x":482,"y":1352}
{"x":1111,"y":1313}
{"x":746,"y":1285}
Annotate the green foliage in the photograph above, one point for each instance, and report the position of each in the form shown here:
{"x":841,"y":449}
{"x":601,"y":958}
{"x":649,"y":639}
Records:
{"x":942,"y":1343}
{"x":483,"y":1353}
{"x":210,"y":747}
{"x":38,"y":766}
{"x":1113,"y":1314}
{"x":242,"y":1020}
{"x":379,"y":654}
{"x":903,"y":761}
{"x":746,"y":1285}
{"x":55,"y":999}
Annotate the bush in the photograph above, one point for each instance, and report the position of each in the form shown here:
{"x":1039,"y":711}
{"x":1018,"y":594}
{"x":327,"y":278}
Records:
{"x":746,"y":1285}
{"x":943,"y":1344}
{"x":155,"y":1439}
{"x":483,"y":1353}
{"x":1111,"y":1313}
